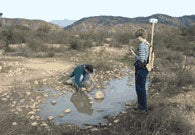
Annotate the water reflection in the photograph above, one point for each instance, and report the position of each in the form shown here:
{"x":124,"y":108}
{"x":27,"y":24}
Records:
{"x":82,"y":103}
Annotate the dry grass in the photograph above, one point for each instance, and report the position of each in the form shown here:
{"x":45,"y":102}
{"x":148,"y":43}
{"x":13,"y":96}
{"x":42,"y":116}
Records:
{"x":165,"y":114}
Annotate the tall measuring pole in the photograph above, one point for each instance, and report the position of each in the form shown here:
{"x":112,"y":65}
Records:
{"x":150,"y":64}
{"x":153,"y":21}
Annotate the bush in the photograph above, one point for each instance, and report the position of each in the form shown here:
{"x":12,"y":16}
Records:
{"x":51,"y":54}
{"x":184,"y":78}
{"x":123,"y":38}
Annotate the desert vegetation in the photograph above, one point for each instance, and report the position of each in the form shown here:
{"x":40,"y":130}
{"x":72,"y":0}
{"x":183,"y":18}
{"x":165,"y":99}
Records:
{"x":170,"y":96}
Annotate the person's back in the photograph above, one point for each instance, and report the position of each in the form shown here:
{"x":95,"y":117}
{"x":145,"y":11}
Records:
{"x":80,"y":75}
{"x":78,"y":70}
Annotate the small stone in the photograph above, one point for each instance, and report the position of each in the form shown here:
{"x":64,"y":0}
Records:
{"x":37,"y":117}
{"x":34,"y":124}
{"x":128,"y":104}
{"x":94,"y":129}
{"x":67,"y":111}
{"x":61,"y":115}
{"x":118,"y":77}
{"x":116,"y":121}
{"x":14,"y":123}
{"x":28,"y":93}
{"x":91,"y":102}
{"x":36,"y":82}
{"x":45,"y":95}
{"x":53,"y":102}
{"x":131,"y":84}
{"x":32,"y":117}
{"x":4,"y":99}
{"x":44,"y":124}
{"x":31,"y":113}
{"x":99,"y":95}
{"x":83,"y":89}
{"x":50,"y":117}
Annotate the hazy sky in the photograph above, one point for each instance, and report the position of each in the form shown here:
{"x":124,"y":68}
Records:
{"x":76,"y":9}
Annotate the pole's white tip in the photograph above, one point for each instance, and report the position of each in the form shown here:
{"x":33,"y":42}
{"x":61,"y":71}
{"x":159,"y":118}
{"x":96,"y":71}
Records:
{"x":153,"y":20}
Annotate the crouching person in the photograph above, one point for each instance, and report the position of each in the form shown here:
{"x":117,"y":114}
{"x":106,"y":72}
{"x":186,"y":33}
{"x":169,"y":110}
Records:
{"x":80,"y":77}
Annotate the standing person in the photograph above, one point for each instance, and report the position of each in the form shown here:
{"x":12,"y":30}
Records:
{"x":80,"y":76}
{"x":141,"y":72}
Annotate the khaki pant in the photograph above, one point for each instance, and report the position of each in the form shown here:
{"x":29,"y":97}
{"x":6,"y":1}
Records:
{"x":85,"y":80}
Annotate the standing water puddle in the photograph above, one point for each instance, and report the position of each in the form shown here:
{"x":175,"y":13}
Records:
{"x":85,"y":110}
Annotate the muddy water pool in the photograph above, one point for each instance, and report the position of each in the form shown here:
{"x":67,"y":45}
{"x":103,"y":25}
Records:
{"x":85,"y":109}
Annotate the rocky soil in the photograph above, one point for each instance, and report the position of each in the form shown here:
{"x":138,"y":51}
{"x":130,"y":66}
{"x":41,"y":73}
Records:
{"x":19,"y":102}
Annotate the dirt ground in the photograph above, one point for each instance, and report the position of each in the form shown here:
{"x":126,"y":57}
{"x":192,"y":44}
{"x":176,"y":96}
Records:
{"x":20,"y":70}
{"x":19,"y":102}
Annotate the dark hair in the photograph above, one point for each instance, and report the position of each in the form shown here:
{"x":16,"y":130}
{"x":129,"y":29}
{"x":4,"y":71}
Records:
{"x":141,"y":33}
{"x":89,"y":68}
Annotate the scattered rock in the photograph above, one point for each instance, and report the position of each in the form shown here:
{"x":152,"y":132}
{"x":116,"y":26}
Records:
{"x":50,"y":117}
{"x":91,"y":102}
{"x":83,"y":89}
{"x":28,"y":93}
{"x":31,"y":113}
{"x":4,"y":99}
{"x":116,"y":121}
{"x":88,"y":127}
{"x":44,"y":124}
{"x":36,"y":82}
{"x":34,"y":124}
{"x":1,"y":67}
{"x":67,"y":111}
{"x":94,"y":129}
{"x":99,"y":95}
{"x":32,"y":117}
{"x":131,"y":83}
{"x":61,"y":115}
{"x":53,"y":102}
{"x":14,"y":123}
{"x":128,"y":104}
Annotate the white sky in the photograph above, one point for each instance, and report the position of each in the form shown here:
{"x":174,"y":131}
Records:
{"x":49,"y":10}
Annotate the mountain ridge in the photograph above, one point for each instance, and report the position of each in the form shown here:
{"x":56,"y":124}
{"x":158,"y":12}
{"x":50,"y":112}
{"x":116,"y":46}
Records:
{"x":30,"y":24}
{"x":96,"y":22}
{"x":104,"y":23}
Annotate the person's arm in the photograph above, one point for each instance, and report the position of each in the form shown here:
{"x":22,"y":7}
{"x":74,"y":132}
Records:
{"x":147,"y":51}
{"x":133,"y":52}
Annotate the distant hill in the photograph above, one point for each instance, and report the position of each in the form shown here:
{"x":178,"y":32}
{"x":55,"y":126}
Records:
{"x":117,"y":23}
{"x":31,"y":24}
{"x":104,"y":23}
{"x":63,"y":23}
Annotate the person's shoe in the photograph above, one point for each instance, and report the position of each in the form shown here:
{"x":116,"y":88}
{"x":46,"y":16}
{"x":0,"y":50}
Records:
{"x":142,"y":111}
{"x":136,"y":108}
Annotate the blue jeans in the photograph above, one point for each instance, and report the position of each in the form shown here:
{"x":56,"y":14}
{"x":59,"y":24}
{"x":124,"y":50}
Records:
{"x":140,"y":85}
